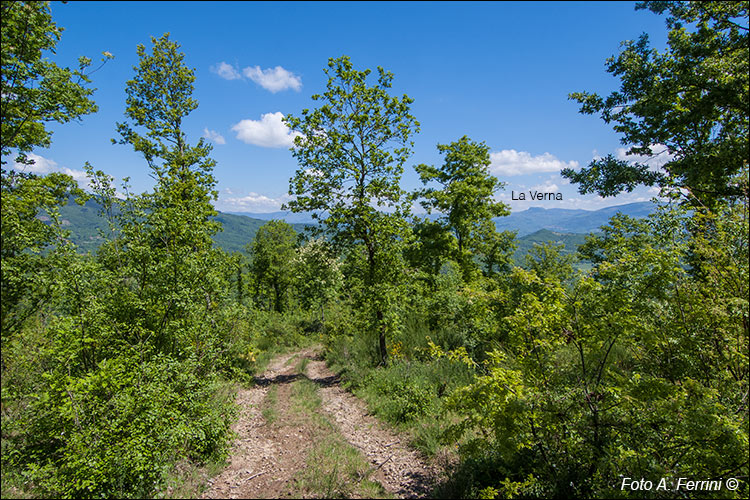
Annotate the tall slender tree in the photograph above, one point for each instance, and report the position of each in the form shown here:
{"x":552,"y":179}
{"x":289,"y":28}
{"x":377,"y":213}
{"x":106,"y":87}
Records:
{"x":351,"y":151}
{"x":34,"y":91}
{"x":166,"y":234}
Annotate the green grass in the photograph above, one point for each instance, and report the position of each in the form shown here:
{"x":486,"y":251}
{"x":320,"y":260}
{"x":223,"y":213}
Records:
{"x":335,"y":469}
{"x":306,"y":401}
{"x":188,"y":480}
{"x":270,"y":412}
{"x":302,"y":365}
{"x":13,"y":485}
{"x":407,"y":393}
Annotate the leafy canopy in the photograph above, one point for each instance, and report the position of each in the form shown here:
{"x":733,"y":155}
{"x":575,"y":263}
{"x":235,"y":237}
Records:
{"x":351,"y":151}
{"x":317,"y":274}
{"x":164,"y":242}
{"x":688,"y":104}
{"x":34,"y":90}
{"x":273,"y":252}
{"x":114,"y":382}
{"x":638,"y":367}
{"x":466,"y":196}
{"x":159,"y":98}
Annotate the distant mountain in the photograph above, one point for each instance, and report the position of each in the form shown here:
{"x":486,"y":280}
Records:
{"x":525,"y":222}
{"x":86,"y":225}
{"x":239,"y":230}
{"x":290,"y":217}
{"x":535,"y":225}
{"x":568,"y":220}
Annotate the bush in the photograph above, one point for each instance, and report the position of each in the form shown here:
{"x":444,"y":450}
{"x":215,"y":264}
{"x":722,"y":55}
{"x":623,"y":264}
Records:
{"x":271,"y":330}
{"x":117,"y":430}
{"x":399,"y":393}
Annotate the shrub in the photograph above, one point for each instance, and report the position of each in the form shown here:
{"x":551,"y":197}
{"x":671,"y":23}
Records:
{"x":399,"y":393}
{"x":118,"y":429}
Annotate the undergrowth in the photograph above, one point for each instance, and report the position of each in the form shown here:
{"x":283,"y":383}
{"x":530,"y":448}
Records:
{"x":409,"y":391}
{"x":335,"y":469}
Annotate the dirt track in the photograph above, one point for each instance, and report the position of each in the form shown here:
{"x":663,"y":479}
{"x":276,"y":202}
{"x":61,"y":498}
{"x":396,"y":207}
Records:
{"x":267,"y":459}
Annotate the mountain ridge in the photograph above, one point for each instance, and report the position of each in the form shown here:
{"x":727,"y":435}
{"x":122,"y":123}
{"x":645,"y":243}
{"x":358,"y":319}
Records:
{"x":239,"y":230}
{"x":567,"y":220}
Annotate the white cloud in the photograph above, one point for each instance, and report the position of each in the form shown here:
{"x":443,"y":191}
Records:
{"x":269,"y":132}
{"x":226,"y":71}
{"x":44,"y":165}
{"x":213,"y":136}
{"x":40,"y":166}
{"x":253,"y":202}
{"x":659,"y":156}
{"x":512,"y":162}
{"x":547,"y":187}
{"x":78,"y":175}
{"x":273,"y":79}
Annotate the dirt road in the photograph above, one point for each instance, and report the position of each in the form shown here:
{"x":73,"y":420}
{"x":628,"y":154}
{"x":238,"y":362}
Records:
{"x":271,"y":457}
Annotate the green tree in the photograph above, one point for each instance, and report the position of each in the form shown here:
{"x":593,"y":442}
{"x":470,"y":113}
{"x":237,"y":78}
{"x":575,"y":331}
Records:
{"x":272,"y":255}
{"x":35,"y":90}
{"x":496,"y":250}
{"x":127,"y":360}
{"x":691,"y":99}
{"x":638,"y":369}
{"x":432,"y":247}
{"x":351,"y":151}
{"x":548,"y":262}
{"x":165,"y":242}
{"x":27,"y":273}
{"x":466,"y":197}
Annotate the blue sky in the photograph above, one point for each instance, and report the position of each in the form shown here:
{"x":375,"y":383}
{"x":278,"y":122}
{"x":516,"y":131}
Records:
{"x":497,"y":72}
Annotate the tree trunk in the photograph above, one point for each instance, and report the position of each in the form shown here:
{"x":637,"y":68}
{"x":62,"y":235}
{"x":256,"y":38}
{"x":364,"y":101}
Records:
{"x":381,"y":338}
{"x":378,"y":313}
{"x":277,"y":293}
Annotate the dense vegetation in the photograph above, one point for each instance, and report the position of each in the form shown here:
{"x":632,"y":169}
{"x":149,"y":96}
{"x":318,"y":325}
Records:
{"x":118,"y":365}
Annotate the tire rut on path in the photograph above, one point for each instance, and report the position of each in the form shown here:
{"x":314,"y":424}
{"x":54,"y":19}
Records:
{"x":402,"y":471}
{"x":262,"y":463}
{"x":265,"y":459}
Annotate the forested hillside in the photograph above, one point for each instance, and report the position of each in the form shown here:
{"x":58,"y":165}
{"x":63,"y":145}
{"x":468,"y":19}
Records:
{"x":86,"y":225}
{"x":132,"y":346}
{"x":568,"y":221}
{"x":524,"y":222}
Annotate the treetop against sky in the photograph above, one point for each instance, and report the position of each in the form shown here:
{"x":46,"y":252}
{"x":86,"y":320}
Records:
{"x":499,"y":73}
